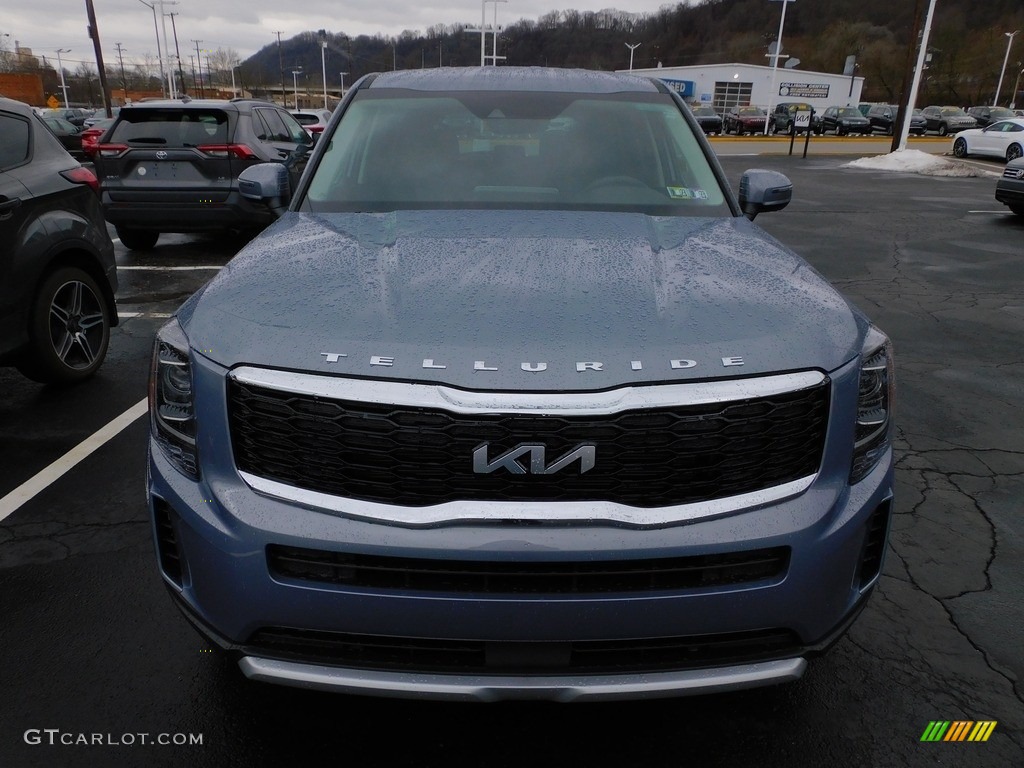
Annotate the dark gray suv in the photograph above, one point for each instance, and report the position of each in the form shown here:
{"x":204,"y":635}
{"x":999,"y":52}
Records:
{"x":57,"y":272}
{"x":172,"y":166}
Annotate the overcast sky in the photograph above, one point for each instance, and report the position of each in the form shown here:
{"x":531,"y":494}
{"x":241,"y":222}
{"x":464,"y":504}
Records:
{"x":248,"y":25}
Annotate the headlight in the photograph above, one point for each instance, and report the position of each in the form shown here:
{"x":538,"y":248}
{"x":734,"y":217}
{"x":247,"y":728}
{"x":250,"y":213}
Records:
{"x":171,"y":406}
{"x":873,"y":434}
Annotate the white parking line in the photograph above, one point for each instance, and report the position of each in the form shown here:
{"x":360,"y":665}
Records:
{"x":41,"y":480}
{"x":124,"y":315}
{"x":140,"y":268}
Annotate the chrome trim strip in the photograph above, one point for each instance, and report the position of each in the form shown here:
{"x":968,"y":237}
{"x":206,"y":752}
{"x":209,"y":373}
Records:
{"x":486,"y":688}
{"x":546,"y":403}
{"x":469,"y":512}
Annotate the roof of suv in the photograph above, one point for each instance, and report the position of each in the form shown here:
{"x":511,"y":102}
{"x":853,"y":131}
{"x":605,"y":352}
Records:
{"x":513,"y":79}
{"x":236,"y":104}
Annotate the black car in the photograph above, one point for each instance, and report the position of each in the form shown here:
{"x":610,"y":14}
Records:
{"x":844,"y":121}
{"x":883,"y":118}
{"x":709,"y":120}
{"x":70,"y":136}
{"x":74,"y":115}
{"x":946,"y":120}
{"x":1010,"y":187}
{"x":57,"y":271}
{"x":172,"y":166}
{"x":784,"y":116}
{"x":986,"y":115}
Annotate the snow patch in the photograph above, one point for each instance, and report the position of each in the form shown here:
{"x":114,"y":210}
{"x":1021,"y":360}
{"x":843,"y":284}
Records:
{"x":916,"y":161}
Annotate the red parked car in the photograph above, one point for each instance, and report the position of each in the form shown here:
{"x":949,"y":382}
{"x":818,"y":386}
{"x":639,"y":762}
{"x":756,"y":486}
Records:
{"x":740,"y":120}
{"x":91,"y":135}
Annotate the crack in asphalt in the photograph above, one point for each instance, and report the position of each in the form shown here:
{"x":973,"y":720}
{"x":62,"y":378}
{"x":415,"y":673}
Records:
{"x":927,"y":486}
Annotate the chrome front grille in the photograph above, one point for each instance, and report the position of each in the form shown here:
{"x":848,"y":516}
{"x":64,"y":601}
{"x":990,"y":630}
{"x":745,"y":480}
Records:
{"x":663,"y":447}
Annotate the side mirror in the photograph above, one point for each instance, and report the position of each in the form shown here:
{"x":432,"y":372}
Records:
{"x":762,"y":191}
{"x":267,"y":183}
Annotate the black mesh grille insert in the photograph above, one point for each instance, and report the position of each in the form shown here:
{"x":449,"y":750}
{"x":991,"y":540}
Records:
{"x":519,"y":577}
{"x":421,"y":456}
{"x":469,"y":656}
{"x":874,"y":543}
{"x":167,"y":541}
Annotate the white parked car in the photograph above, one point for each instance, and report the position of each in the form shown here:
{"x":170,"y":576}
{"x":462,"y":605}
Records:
{"x":1003,"y":139}
{"x":313,"y":120}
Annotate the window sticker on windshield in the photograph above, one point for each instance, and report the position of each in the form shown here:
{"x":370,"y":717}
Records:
{"x":684,"y":193}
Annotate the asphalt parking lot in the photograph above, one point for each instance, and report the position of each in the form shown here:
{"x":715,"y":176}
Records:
{"x":91,"y":645}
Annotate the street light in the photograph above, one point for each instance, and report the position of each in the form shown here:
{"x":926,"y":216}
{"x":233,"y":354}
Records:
{"x":60,"y":66}
{"x":775,"y":64}
{"x":1016,"y":87}
{"x":1006,"y":58}
{"x":323,"y":66}
{"x":159,"y":52}
{"x":632,"y":47}
{"x":342,"y":94}
{"x":295,"y":85}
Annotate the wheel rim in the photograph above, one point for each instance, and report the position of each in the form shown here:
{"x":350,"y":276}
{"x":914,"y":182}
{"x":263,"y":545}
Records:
{"x":1013,"y":152}
{"x":77,"y":325}
{"x":960,"y":148}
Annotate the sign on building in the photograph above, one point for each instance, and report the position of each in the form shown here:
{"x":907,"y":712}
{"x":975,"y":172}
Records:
{"x":804,"y":90}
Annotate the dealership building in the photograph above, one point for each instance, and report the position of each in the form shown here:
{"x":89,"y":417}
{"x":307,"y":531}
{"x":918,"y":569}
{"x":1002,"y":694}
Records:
{"x":725,"y":85}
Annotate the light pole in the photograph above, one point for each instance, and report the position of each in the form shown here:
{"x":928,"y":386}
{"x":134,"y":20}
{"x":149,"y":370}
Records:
{"x":1016,"y":86}
{"x":60,"y":66}
{"x":1009,"y":44}
{"x":775,"y":64}
{"x":234,"y":90}
{"x":159,"y":52}
{"x":295,"y":85}
{"x":342,"y":95}
{"x":632,"y":47}
{"x":323,"y":66}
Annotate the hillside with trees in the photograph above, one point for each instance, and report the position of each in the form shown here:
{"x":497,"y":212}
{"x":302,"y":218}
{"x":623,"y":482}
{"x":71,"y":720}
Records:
{"x":967,"y":43}
{"x":967,"y":47}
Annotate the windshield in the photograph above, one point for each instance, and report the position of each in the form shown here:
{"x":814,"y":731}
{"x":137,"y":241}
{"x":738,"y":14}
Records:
{"x":752,"y":111}
{"x":953,"y":111}
{"x":849,"y":112}
{"x":1000,"y":113}
{"x":397,"y":149}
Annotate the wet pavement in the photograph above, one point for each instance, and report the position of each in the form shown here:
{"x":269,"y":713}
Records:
{"x":91,"y":646}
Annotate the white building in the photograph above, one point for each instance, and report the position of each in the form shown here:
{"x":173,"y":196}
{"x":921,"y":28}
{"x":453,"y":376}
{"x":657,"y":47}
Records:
{"x":725,"y":85}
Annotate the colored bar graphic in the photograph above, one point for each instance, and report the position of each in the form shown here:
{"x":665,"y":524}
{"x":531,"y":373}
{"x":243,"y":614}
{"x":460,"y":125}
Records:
{"x":935,"y":731}
{"x":982,"y":730}
{"x":958,"y":730}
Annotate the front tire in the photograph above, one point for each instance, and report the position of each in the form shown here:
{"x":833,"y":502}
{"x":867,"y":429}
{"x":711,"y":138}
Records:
{"x":69,"y":329}
{"x":960,"y":148}
{"x":1013,"y":152}
{"x":137,"y":239}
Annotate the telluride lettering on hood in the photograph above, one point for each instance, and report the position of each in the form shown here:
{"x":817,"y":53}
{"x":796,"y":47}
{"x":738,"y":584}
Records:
{"x":514,"y":400}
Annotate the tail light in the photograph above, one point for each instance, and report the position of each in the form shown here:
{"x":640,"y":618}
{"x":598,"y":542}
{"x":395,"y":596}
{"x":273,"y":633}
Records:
{"x":226,"y":150}
{"x":82,"y":176}
{"x":315,"y":128}
{"x":111,"y":150}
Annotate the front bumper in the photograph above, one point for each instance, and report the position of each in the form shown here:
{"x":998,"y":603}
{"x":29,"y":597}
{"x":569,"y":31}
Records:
{"x":216,"y":540}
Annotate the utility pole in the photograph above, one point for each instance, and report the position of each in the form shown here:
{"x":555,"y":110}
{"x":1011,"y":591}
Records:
{"x":199,"y":61}
{"x":170,"y":70}
{"x":904,"y":113}
{"x":177,"y":54}
{"x":192,"y":63}
{"x":124,"y":85}
{"x":323,"y":66}
{"x":918,"y":74}
{"x":280,"y":66}
{"x":94,"y":33}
